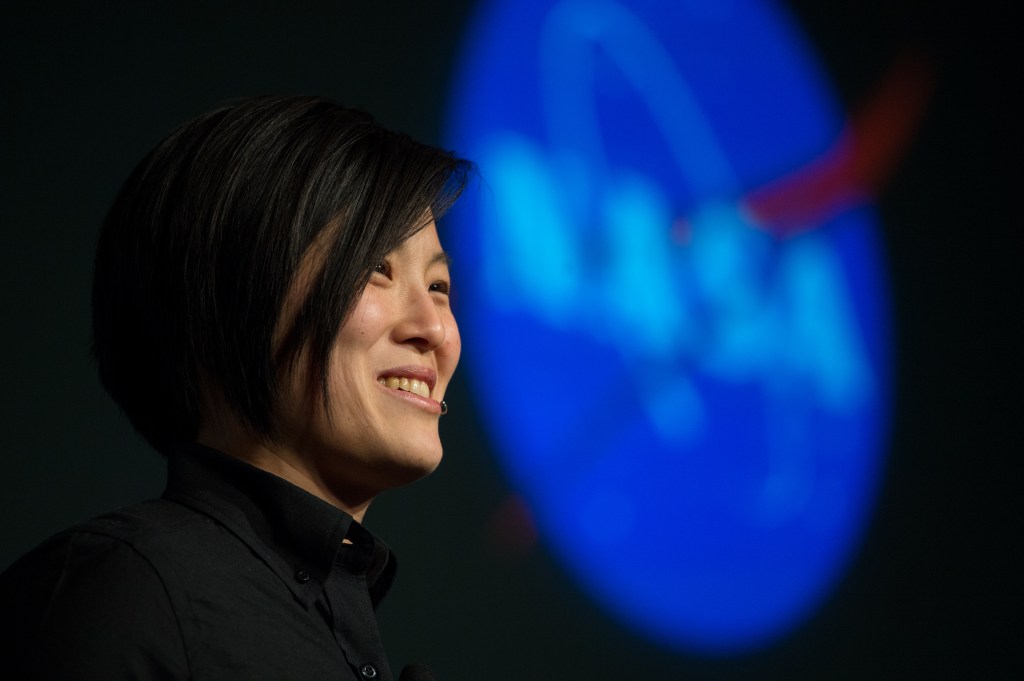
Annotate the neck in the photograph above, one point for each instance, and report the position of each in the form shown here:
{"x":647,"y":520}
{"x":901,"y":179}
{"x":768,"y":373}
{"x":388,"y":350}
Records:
{"x":243,"y":445}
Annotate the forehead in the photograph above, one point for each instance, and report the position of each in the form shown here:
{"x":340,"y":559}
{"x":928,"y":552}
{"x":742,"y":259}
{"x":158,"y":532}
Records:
{"x":424,"y":246}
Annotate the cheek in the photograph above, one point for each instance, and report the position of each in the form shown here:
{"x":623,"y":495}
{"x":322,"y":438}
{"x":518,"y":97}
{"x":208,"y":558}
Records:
{"x":364,"y":325}
{"x":452,"y":344}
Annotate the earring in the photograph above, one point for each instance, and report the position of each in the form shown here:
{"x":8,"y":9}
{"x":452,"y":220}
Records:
{"x":444,"y":407}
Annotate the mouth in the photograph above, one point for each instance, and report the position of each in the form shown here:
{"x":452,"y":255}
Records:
{"x":416,"y":380}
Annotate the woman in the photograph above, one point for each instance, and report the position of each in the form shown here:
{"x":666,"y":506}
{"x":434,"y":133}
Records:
{"x":270,"y":310}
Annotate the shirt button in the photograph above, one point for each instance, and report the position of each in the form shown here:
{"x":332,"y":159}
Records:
{"x":301,"y":576}
{"x":368,"y":671}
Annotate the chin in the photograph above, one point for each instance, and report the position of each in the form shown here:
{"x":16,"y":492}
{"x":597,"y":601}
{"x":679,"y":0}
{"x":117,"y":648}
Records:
{"x":412,"y":465}
{"x":425,"y":465}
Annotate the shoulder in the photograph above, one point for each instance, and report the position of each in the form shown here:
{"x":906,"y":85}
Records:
{"x":156,"y":520}
{"x":116,"y":541}
{"x":146,"y":545}
{"x":94,"y":596}
{"x":127,"y":541}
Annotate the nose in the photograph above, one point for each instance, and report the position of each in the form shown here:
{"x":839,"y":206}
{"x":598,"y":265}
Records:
{"x":420,"y":321}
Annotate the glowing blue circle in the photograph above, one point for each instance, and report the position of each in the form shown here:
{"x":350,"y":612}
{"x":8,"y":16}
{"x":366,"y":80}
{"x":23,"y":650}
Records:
{"x":693,"y":406}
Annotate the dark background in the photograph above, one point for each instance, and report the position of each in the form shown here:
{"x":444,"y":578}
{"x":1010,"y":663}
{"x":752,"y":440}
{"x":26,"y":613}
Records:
{"x":935,"y":591}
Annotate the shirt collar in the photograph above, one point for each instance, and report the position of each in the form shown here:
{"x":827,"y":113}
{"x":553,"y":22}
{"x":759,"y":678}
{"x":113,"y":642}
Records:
{"x":296,"y":534}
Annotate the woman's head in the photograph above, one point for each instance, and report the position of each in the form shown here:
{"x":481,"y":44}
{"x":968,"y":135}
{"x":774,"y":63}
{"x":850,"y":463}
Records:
{"x":238,"y":247}
{"x":388,"y":371}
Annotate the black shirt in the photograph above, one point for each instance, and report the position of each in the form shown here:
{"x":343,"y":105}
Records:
{"x":233,"y":574}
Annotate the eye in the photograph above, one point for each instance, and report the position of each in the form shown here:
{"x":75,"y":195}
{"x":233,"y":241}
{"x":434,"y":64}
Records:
{"x":440,"y":286}
{"x":383,"y":267}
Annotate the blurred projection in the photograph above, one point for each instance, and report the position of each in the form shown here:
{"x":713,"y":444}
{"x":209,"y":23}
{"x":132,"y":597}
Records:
{"x":671,"y":291}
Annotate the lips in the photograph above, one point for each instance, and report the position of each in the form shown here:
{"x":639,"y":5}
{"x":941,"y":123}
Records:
{"x":416,"y":380}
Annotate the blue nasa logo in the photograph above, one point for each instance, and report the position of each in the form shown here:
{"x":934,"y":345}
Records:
{"x":688,"y":383}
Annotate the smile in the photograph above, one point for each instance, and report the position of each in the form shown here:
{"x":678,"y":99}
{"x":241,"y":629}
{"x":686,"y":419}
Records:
{"x":409,"y":385}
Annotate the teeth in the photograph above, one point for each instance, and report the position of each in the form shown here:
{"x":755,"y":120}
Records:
{"x":409,"y":385}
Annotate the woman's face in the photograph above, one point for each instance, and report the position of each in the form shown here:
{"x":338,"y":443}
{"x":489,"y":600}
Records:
{"x":389,"y":370}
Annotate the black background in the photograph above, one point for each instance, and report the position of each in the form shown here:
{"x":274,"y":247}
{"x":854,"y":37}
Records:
{"x":934,"y":593}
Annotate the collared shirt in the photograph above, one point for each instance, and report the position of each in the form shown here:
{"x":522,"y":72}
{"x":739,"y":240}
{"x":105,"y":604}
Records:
{"x":233,"y":573}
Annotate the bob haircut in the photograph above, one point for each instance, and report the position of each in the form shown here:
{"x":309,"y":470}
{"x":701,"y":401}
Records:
{"x":203,"y":241}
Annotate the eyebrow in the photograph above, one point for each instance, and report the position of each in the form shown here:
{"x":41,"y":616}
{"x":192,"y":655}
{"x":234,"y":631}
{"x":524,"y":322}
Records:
{"x":441,"y":257}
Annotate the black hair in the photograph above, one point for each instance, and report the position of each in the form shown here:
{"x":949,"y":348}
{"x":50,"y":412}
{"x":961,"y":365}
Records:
{"x":204,"y":239}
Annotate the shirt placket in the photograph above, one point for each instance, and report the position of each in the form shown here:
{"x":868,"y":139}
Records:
{"x":354,"y":623}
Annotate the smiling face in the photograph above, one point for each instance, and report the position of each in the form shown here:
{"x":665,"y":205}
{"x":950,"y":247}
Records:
{"x":389,"y":370}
